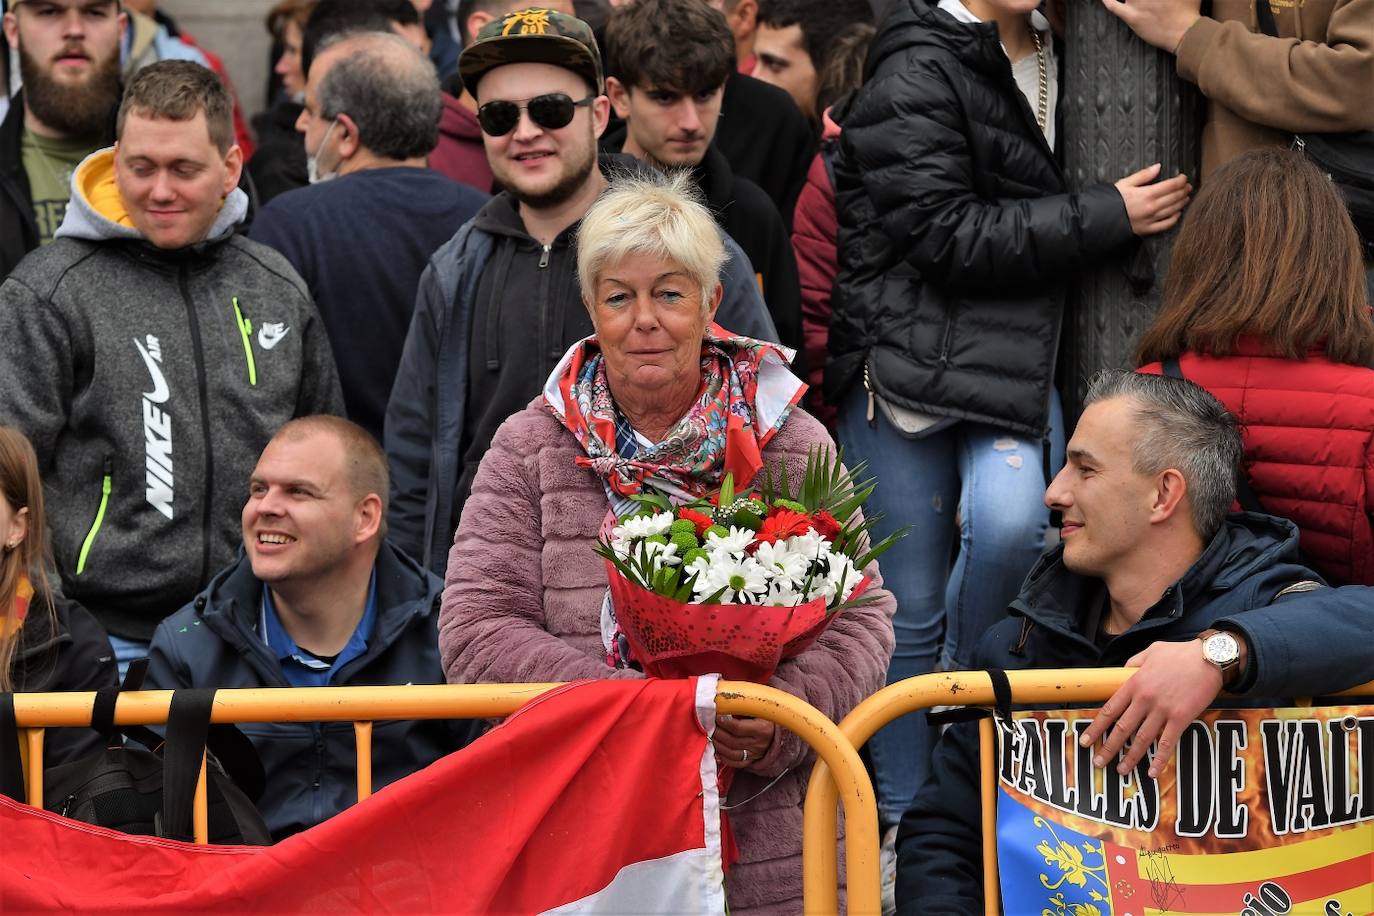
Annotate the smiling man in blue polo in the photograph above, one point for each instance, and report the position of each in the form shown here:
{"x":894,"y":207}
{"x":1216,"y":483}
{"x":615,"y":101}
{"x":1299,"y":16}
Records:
{"x":151,"y":352}
{"x":319,"y":598}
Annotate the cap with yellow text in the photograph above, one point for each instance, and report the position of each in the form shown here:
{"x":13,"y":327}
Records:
{"x":536,"y":36}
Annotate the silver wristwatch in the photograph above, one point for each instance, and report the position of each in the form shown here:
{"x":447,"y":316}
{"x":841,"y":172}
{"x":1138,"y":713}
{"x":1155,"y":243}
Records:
{"x":1221,"y":649}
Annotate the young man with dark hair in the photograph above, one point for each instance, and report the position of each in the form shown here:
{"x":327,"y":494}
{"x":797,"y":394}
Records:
{"x":794,"y":40}
{"x":1151,"y":573}
{"x":319,"y":598}
{"x":151,"y":351}
{"x":69,"y":62}
{"x":499,"y":304}
{"x":667,"y":62}
{"x":361,"y":241}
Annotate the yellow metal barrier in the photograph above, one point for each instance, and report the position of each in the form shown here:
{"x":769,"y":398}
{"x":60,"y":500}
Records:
{"x":364,"y":705}
{"x":1044,"y":687}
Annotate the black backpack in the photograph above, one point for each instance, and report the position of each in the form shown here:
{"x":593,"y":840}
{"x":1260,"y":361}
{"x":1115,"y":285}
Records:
{"x":149,"y":791}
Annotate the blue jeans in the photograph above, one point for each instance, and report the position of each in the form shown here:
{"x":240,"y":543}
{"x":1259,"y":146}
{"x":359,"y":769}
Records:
{"x":126,"y":650}
{"x":994,"y":481}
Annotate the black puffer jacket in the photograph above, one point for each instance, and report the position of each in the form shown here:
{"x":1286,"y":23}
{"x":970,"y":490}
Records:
{"x":958,"y":235}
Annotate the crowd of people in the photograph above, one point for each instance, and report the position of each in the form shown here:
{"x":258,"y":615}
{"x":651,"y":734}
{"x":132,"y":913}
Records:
{"x":345,"y":398}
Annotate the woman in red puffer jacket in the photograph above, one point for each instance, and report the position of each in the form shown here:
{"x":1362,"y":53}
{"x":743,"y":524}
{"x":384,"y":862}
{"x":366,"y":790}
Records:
{"x":1265,"y":307}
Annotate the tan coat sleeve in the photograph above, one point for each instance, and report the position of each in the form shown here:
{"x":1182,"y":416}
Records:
{"x":1317,"y":83}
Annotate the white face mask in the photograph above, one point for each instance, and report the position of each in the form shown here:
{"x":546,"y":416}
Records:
{"x":312,"y":160}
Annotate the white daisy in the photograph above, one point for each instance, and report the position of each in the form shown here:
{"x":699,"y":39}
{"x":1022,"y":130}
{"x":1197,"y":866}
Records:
{"x":780,"y":595}
{"x":810,"y":545}
{"x":784,"y":565}
{"x":743,"y":581}
{"x":841,"y":577}
{"x":734,"y":543}
{"x":642,"y":526}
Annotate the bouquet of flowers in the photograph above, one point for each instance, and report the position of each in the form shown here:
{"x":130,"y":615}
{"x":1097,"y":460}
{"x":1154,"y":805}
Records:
{"x":735,"y":582}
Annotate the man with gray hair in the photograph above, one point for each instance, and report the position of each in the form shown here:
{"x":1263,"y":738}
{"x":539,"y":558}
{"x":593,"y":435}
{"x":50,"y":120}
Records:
{"x":1151,"y":572}
{"x":361,"y":242}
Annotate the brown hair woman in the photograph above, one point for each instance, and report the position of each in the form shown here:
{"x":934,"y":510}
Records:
{"x":1265,"y":306}
{"x":47,"y":643}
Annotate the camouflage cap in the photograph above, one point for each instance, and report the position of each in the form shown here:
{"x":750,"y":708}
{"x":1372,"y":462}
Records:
{"x":532,"y":36}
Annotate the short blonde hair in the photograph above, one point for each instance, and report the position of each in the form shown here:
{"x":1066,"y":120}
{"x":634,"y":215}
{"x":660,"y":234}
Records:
{"x":662,"y":216}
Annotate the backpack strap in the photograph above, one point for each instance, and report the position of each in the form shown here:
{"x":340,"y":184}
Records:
{"x":11,"y":764}
{"x":188,"y":722}
{"x":103,"y":710}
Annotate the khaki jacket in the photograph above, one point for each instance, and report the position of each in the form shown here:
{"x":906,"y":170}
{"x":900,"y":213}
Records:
{"x":1317,"y":76}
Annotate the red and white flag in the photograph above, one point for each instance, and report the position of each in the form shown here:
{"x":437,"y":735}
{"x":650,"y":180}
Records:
{"x":599,"y":797}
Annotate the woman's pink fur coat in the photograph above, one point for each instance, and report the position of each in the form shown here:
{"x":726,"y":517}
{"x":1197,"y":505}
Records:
{"x":522,"y":603}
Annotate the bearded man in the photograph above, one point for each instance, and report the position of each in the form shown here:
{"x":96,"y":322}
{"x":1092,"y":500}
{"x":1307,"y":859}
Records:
{"x":498,"y":304}
{"x":69,"y":62}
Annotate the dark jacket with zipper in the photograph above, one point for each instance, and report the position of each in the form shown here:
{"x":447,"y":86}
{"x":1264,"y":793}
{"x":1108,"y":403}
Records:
{"x":481,"y":343}
{"x":149,"y":381}
{"x":958,"y":233}
{"x":18,"y":223}
{"x":310,"y":766}
{"x":1306,"y":643}
{"x":68,"y":651}
{"x":748,"y":216}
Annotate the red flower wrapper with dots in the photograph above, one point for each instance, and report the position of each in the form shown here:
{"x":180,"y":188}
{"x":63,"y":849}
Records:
{"x":740,"y":642}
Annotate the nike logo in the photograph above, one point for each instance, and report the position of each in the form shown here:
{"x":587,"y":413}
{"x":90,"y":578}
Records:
{"x":160,"y":392}
{"x":271,"y":333}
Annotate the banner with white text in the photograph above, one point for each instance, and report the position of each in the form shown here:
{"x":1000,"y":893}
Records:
{"x":1262,"y":812}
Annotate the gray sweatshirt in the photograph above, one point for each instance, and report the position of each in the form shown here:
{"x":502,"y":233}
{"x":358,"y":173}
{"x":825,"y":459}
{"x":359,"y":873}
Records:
{"x":149,"y":381}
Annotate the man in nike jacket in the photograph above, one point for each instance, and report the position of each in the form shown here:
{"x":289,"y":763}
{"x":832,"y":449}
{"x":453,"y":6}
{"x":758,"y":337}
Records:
{"x":151,"y":353}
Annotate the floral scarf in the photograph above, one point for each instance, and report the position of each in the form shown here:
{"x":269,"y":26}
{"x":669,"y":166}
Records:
{"x":747,"y":393}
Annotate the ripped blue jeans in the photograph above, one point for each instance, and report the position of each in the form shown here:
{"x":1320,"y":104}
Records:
{"x":993,"y":482}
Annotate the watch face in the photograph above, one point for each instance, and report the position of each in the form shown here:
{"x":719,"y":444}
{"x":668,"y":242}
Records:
{"x":1221,"y":649}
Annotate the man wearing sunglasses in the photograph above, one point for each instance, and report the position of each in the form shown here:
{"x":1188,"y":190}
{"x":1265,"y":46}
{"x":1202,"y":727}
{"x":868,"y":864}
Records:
{"x":499,"y":304}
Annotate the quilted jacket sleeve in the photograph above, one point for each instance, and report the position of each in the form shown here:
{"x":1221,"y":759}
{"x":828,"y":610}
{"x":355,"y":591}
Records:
{"x":907,"y":138}
{"x":814,"y":228}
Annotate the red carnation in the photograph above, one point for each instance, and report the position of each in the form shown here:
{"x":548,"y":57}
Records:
{"x":782,"y":524}
{"x":696,"y":518}
{"x":826,"y":525}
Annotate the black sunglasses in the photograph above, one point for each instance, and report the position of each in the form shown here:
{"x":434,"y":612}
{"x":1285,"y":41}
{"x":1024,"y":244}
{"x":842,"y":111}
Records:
{"x":550,"y":112}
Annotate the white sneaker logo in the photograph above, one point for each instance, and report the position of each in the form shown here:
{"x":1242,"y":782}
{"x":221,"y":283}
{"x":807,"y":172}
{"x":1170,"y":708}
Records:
{"x":271,"y":333}
{"x":159,"y":393}
{"x":157,"y":431}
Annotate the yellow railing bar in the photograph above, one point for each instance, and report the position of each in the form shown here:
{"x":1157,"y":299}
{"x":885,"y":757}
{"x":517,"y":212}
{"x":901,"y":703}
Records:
{"x":362,"y":736}
{"x":1043,"y":686}
{"x":34,"y":742}
{"x":988,"y":786}
{"x":200,"y":808}
{"x":367,"y":704}
{"x":840,"y":757}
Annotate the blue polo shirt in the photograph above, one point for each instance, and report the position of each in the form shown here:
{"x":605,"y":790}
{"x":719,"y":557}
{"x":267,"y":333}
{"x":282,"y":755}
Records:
{"x":301,"y":668}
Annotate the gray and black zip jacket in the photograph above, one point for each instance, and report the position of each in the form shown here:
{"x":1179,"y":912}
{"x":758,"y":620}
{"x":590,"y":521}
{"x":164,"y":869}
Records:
{"x":149,"y":381}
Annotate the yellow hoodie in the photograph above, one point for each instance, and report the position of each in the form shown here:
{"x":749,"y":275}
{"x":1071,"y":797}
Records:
{"x":95,"y":181}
